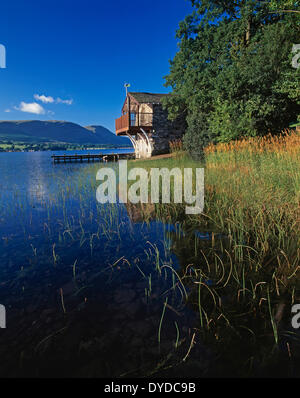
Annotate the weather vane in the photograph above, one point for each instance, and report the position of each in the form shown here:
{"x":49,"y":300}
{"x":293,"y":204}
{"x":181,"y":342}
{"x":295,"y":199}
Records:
{"x":126,"y":85}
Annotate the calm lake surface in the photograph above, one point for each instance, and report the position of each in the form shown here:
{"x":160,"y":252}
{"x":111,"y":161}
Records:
{"x":95,"y":290}
{"x":89,"y":289}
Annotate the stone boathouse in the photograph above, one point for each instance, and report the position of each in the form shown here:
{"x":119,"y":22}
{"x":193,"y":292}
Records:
{"x":146,"y":124}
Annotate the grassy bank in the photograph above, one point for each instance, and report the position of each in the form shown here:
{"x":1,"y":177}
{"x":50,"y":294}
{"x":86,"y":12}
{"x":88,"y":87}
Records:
{"x":243,"y":284}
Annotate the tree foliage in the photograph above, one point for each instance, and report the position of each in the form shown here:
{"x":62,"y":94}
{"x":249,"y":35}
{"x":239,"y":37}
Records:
{"x":284,"y":5}
{"x":233,"y":72}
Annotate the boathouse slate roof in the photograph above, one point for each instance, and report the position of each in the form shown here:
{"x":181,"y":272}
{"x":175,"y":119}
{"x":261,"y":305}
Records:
{"x":148,"y":98}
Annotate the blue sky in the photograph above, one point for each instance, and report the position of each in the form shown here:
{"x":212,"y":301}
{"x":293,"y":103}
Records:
{"x":69,"y":59}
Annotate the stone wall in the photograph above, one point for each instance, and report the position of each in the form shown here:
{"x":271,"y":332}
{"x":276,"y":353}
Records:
{"x":165,"y":130}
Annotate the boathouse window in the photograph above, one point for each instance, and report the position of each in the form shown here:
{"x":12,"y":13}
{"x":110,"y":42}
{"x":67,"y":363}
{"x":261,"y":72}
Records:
{"x":133,"y":119}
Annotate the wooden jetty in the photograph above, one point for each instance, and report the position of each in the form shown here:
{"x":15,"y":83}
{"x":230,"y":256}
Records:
{"x":94,"y":157}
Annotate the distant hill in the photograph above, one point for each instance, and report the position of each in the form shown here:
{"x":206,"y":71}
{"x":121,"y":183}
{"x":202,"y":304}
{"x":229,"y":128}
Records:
{"x":36,"y":131}
{"x":107,"y":137}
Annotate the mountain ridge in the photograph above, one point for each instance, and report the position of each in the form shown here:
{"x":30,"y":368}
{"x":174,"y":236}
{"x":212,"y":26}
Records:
{"x":58,"y":131}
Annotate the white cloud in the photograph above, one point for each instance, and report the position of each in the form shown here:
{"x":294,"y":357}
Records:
{"x":50,"y":100}
{"x":38,"y":109}
{"x":44,"y":98}
{"x":31,"y":108}
{"x":61,"y":101}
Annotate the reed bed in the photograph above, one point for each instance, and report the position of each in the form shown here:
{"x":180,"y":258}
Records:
{"x":176,"y":146}
{"x":244,"y":280}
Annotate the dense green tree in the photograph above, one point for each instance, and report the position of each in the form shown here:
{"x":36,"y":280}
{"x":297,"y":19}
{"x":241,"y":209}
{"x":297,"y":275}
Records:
{"x":233,"y":73}
{"x":284,"y":6}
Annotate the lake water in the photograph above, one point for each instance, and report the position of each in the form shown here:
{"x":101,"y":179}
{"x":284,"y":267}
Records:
{"x":96,"y":290}
{"x":89,"y":289}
